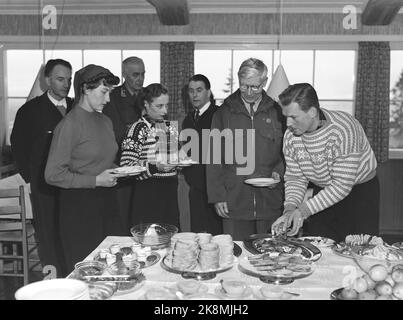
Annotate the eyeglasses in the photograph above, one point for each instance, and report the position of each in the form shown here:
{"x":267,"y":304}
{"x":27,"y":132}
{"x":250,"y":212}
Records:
{"x":244,"y":87}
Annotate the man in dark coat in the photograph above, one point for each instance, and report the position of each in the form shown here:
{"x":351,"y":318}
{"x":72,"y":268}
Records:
{"x":253,"y":124}
{"x":30,"y":142}
{"x":202,"y":214}
{"x":124,"y":109}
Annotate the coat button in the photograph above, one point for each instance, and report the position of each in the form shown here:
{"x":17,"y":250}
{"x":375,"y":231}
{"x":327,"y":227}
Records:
{"x":268,"y":120}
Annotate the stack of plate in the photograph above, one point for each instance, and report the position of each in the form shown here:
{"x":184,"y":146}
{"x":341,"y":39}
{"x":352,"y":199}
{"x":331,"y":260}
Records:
{"x":55,"y":289}
{"x":154,"y":235}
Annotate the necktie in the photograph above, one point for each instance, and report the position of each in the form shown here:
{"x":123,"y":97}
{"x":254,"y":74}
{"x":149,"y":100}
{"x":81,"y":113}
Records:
{"x":251,"y":111}
{"x":62,"y":109}
{"x":196,"y":115}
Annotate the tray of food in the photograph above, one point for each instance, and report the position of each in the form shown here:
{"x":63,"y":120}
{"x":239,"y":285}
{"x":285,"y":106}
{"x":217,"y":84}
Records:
{"x":320,"y":242}
{"x":129,"y":170}
{"x":127,"y":253}
{"x":266,"y":243}
{"x":280,"y":269}
{"x":344,"y":248}
{"x":199,"y":255}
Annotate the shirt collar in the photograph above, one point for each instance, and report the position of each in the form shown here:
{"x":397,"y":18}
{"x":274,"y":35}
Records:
{"x":256,"y":103}
{"x":56,"y":102}
{"x":204,"y":108}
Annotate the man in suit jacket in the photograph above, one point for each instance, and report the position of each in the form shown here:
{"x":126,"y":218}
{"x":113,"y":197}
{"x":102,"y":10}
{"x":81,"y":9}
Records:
{"x":124,"y":109}
{"x":30,"y":142}
{"x":202,"y":214}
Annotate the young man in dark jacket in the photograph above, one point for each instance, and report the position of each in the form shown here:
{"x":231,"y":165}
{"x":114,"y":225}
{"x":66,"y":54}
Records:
{"x":30,"y":142}
{"x":252,"y":124}
{"x":203,"y":217}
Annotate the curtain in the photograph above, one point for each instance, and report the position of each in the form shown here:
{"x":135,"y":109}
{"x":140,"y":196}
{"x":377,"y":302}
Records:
{"x":177,"y":66}
{"x":372,"y":95}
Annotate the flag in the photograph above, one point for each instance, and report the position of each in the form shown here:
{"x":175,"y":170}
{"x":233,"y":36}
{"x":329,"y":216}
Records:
{"x":39,"y":86}
{"x":278,"y":84}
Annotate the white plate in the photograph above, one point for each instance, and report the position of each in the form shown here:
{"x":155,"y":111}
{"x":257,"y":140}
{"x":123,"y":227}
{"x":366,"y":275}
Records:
{"x":220,"y":292}
{"x":261,"y":182}
{"x":201,"y":290}
{"x":55,"y":289}
{"x":129,"y":170}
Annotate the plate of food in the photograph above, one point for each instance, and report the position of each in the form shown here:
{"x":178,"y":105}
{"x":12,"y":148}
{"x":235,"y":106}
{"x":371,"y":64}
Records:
{"x":266,"y":243}
{"x":126,"y":253}
{"x":261,"y":182}
{"x":129,"y":170}
{"x":281,"y":269}
{"x":344,"y":248}
{"x":320,"y":242}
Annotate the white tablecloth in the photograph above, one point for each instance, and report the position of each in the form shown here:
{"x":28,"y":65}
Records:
{"x":331,"y":272}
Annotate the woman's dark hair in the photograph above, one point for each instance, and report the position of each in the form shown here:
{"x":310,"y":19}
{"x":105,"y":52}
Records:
{"x":302,"y":93}
{"x":152,"y":91}
{"x":53,"y":63}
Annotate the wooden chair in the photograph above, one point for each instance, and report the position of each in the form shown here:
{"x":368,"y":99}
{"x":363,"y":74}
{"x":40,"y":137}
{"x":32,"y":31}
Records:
{"x":17,"y":233}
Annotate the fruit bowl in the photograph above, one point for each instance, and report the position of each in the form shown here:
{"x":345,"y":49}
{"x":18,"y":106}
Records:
{"x":154,"y":235}
{"x":367,"y":256}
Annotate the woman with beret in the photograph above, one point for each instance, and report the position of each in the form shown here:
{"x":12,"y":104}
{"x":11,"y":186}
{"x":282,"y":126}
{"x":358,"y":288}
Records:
{"x":80,"y":162}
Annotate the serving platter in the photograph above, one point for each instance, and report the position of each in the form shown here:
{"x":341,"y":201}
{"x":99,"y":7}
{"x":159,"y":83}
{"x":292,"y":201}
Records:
{"x":151,"y":259}
{"x":275,"y":271}
{"x":266,"y":243}
{"x":195,"y":273}
{"x":320,"y":242}
{"x":342,"y":249}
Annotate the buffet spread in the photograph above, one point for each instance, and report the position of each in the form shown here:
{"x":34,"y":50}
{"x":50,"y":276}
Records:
{"x":161,"y":263}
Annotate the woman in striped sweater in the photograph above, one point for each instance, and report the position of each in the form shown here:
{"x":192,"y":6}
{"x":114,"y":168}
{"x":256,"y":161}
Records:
{"x":330,"y":150}
{"x":151,"y":142}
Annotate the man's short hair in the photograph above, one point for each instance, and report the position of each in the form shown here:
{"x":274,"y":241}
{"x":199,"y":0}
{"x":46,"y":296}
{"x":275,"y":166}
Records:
{"x":250,"y":66}
{"x":53,"y":63}
{"x":132,"y":60}
{"x":202,"y":78}
{"x":302,"y":93}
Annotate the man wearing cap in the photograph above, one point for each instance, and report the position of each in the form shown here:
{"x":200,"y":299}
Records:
{"x":124,"y":110}
{"x":81,"y":162}
{"x":30,"y":142}
{"x":203,"y":217}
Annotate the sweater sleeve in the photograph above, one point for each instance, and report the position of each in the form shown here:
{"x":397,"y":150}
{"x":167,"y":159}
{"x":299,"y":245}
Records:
{"x":216,"y":191}
{"x":57,"y":172}
{"x":295,"y":181}
{"x":345,"y":170}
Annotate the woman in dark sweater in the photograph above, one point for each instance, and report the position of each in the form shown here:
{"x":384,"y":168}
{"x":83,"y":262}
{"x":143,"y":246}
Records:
{"x":80,"y":162}
{"x":151,"y":142}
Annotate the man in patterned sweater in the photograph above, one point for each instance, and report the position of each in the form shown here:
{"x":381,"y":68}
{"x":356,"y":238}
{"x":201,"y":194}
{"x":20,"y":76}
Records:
{"x":330,"y":150}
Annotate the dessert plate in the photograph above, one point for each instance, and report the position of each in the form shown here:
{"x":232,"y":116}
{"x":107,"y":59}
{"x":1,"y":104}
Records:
{"x":261,"y":182}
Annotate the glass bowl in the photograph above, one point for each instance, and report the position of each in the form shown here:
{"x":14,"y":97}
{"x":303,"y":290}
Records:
{"x":90,"y":268}
{"x":154,"y":235}
{"x":365,"y":261}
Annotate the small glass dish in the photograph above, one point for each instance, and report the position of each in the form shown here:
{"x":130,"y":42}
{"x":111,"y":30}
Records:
{"x":154,"y":235}
{"x":90,"y":268}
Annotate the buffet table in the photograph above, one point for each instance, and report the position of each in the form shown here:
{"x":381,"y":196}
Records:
{"x":331,"y":272}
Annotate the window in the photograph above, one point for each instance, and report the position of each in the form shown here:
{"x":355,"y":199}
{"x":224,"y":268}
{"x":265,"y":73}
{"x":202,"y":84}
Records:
{"x":22,"y":67}
{"x":396,"y":104}
{"x":334,"y":85}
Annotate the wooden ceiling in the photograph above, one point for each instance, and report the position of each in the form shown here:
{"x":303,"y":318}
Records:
{"x":176,"y":12}
{"x":194,"y":6}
